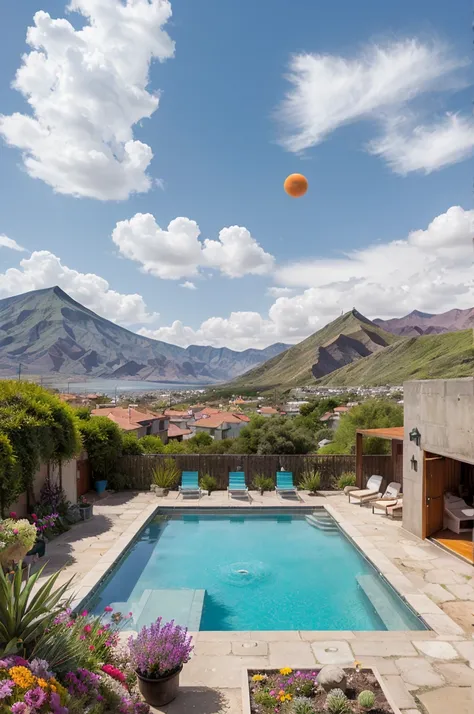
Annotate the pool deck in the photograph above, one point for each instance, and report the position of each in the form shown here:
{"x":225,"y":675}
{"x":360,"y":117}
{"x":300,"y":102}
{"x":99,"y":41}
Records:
{"x":434,"y":667}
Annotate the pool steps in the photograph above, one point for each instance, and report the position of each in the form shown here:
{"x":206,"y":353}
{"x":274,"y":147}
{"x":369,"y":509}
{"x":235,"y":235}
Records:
{"x":377,"y":595}
{"x":321,"y":521}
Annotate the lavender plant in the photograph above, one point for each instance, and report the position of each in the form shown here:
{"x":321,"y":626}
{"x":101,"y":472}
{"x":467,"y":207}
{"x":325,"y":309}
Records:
{"x":160,"y":649}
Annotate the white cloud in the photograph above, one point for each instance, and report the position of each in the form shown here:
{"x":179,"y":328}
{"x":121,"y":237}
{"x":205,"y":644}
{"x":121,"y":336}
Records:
{"x":426,"y":148}
{"x":279,"y":292}
{"x":44,"y":269}
{"x":188,"y":285}
{"x":177,"y":252}
{"x":6,"y":242}
{"x":87,"y":89}
{"x":381,"y":83}
{"x":431,"y":270}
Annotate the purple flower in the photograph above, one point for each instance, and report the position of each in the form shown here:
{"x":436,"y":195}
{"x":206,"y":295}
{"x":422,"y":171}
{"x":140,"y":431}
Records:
{"x":159,"y":649}
{"x":19,"y":708}
{"x":4,"y":664}
{"x":35,"y":698}
{"x":40,"y":668}
{"x":6,"y":688}
{"x":55,"y":704}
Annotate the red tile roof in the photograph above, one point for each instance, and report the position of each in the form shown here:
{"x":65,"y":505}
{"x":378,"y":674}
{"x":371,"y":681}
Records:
{"x":173,"y":414}
{"x":215,"y":420}
{"x":268,"y":410}
{"x":128,"y":419}
{"x":341,"y":409}
{"x":174,"y":431}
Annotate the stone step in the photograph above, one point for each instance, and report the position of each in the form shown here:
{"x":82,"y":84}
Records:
{"x":323,"y":525}
{"x":376,"y":592}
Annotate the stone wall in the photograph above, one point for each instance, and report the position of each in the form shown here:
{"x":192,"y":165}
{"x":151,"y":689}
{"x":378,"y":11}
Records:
{"x":443,"y":412}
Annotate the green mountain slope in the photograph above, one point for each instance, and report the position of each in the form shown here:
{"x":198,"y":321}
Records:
{"x":350,"y":337}
{"x":446,"y":356}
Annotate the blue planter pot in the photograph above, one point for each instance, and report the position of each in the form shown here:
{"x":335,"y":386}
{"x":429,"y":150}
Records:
{"x":100,"y":486}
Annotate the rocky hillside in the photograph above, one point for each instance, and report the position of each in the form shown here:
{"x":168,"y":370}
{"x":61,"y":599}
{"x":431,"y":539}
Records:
{"x":423,"y":323}
{"x":349,"y":338}
{"x":50,"y":333}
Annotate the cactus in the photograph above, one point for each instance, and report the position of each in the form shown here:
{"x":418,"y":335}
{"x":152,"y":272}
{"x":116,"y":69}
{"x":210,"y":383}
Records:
{"x":366,"y":699}
{"x":302,"y":705}
{"x":337,"y":702}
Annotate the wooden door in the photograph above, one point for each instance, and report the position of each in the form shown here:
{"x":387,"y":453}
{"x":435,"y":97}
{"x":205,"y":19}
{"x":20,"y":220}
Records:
{"x":434,"y":491}
{"x":83,"y":477}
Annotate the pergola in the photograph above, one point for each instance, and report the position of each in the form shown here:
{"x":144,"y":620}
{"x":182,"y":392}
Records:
{"x":394,"y":434}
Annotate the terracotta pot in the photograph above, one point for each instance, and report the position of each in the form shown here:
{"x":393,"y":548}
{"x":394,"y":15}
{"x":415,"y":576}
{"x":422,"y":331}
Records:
{"x":158,"y":692}
{"x":13,"y":554}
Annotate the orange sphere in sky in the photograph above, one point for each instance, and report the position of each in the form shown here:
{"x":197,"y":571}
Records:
{"x":296,"y":185}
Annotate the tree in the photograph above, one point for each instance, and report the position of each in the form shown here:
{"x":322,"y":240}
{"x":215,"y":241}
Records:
{"x":102,"y":440}
{"x":324,"y":433}
{"x":83,"y":413}
{"x":175,"y":447}
{"x":372,"y":414}
{"x":277,"y":435}
{"x":199,"y":443}
{"x":131,"y":445}
{"x":10,"y":477}
{"x":151,"y":444}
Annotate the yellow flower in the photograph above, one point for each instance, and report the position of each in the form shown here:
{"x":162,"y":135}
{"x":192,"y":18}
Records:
{"x":53,"y":688}
{"x":286,"y":670}
{"x":357,"y":665}
{"x":22,"y":677}
{"x":258,"y":677}
{"x":289,"y":697}
{"x":42,"y":683}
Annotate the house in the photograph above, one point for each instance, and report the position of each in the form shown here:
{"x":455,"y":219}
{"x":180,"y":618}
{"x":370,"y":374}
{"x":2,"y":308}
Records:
{"x":324,"y":442}
{"x":267,"y":411}
{"x":179,"y":418}
{"x":175,"y":433}
{"x":223,"y":425}
{"x":341,"y":410}
{"x":331,"y":420}
{"x":292,"y":408}
{"x":141,"y":422}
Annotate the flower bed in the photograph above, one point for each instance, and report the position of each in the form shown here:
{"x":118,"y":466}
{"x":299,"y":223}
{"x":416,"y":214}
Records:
{"x":307,"y":691}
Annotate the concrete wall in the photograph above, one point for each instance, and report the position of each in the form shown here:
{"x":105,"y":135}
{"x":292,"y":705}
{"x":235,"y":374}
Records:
{"x":443,"y":412}
{"x":69,"y":480}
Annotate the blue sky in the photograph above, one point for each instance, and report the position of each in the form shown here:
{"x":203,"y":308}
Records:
{"x":222,"y":151}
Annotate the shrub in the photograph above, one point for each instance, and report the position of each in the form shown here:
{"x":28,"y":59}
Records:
{"x":302,"y":705}
{"x":348,"y":478}
{"x":366,"y":699}
{"x":83,"y":413}
{"x":166,"y":474}
{"x":151,"y":444}
{"x":311,"y":481}
{"x":263,"y":483}
{"x":208,"y":483}
{"x":175,"y":447}
{"x":131,"y":446}
{"x":265,"y":700}
{"x":337,"y":702}
{"x":102,"y":440}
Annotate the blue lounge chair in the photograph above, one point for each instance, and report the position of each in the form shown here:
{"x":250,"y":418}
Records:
{"x":284,"y":483}
{"x":190,"y":483}
{"x":237,"y":485}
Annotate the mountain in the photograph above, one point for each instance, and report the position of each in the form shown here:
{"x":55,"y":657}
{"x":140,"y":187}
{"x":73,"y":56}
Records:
{"x":424,"y":323}
{"x":349,"y":338}
{"x":443,"y":356}
{"x":50,"y":333}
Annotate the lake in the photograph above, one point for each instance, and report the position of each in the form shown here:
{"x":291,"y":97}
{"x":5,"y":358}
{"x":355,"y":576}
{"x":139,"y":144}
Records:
{"x":109,"y":386}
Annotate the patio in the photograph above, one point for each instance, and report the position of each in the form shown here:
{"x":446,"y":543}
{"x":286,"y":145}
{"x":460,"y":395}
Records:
{"x":434,"y":668}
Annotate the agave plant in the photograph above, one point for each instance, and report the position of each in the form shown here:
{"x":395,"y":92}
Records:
{"x":24,"y":616}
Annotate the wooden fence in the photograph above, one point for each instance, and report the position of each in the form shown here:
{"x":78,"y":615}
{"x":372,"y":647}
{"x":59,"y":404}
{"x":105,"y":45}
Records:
{"x":138,"y":469}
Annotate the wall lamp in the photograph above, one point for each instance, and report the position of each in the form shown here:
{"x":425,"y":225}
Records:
{"x":414,"y":464}
{"x":415,"y":436}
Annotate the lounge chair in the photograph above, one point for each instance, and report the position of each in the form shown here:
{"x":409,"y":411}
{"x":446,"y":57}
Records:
{"x":237,"y":486}
{"x":370,"y":493}
{"x":395,"y":511}
{"x":458,"y":516}
{"x":284,"y":483}
{"x":189,"y":484}
{"x":390,"y":498}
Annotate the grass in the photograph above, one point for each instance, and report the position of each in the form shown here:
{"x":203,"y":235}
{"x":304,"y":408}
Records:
{"x":446,"y":356}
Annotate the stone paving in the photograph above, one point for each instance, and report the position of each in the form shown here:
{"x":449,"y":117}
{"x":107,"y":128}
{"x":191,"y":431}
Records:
{"x":426,"y":671}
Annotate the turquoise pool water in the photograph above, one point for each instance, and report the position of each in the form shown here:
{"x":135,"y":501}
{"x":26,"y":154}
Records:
{"x":250,"y":571}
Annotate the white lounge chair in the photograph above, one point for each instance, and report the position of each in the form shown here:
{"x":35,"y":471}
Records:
{"x":370,"y":493}
{"x":458,"y":516}
{"x":390,"y":498}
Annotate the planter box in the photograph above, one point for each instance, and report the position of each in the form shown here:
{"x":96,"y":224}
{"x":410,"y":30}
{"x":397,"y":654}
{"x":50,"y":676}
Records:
{"x":247,"y":674}
{"x":86,"y":512}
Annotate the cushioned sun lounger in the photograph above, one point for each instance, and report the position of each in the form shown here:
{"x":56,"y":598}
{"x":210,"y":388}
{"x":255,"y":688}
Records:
{"x":458,"y":516}
{"x":370,"y":493}
{"x":237,"y":486}
{"x":284,"y":483}
{"x":190,"y":484}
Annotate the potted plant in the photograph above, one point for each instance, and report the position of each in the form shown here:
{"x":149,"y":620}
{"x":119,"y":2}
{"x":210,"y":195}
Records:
{"x":46,"y":523}
{"x":263,"y":483}
{"x":158,"y":654}
{"x":310,"y":482}
{"x":86,"y":508}
{"x":165,"y":476}
{"x":17,"y":537}
{"x":100,"y":486}
{"x":208,"y":483}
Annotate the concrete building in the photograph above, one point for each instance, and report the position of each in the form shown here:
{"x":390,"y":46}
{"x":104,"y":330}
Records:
{"x":223,"y":425}
{"x":140,"y":422}
{"x":438,"y":450}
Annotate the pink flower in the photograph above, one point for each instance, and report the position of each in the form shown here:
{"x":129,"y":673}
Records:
{"x":34,"y":517}
{"x":92,"y":648}
{"x":15,"y":531}
{"x":84,"y":613}
{"x":130,"y":614}
{"x":13,"y":515}
{"x":100,"y":632}
{"x":87,"y":629}
{"x":108,"y":609}
{"x":82,"y":637}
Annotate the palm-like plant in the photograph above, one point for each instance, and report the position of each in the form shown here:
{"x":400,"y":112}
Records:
{"x":24,"y":616}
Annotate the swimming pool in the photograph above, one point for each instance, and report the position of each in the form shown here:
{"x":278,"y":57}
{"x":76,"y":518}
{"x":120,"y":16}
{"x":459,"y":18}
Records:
{"x":240,"y":570}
